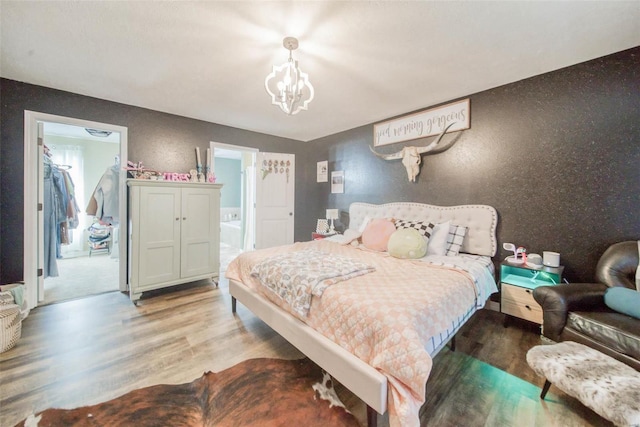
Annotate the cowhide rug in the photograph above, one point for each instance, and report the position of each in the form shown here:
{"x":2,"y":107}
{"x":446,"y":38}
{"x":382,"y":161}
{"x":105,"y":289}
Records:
{"x":257,"y":392}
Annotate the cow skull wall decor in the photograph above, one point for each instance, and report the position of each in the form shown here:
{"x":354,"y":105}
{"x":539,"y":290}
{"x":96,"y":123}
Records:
{"x":411,"y":156}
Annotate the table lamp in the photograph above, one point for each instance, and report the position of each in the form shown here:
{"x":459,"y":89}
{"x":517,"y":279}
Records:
{"x":331,"y":215}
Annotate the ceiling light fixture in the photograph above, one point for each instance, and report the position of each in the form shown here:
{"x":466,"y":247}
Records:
{"x":98,"y":132}
{"x":287,"y":85}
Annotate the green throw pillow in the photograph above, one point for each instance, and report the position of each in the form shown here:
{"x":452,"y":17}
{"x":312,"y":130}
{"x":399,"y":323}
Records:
{"x":623,"y":300}
{"x":407,"y":243}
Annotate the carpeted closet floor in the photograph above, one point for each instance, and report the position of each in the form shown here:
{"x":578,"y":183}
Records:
{"x":84,"y":276}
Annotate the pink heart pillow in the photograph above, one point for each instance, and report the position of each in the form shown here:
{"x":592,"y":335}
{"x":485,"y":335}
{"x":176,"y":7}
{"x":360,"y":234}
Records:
{"x":377,"y":233}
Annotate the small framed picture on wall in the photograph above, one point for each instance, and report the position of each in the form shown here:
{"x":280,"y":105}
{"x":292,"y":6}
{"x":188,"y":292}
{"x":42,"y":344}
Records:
{"x":337,"y":182}
{"x":323,"y":171}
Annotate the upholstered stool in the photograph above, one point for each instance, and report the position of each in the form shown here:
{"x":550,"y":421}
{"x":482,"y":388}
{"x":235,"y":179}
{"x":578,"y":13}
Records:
{"x":10,"y":326}
{"x":609,"y":387}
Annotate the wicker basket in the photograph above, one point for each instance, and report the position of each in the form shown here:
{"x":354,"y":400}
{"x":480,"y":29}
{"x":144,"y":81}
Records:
{"x":10,"y":326}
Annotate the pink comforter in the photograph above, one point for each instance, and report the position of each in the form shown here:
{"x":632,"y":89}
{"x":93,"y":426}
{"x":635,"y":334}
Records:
{"x":385,"y":317}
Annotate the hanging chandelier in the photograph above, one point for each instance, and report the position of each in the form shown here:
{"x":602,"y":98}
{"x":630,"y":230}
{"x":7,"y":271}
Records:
{"x":287,"y":85}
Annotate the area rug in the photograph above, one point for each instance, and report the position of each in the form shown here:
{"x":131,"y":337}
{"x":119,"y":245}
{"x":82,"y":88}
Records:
{"x":256,"y":392}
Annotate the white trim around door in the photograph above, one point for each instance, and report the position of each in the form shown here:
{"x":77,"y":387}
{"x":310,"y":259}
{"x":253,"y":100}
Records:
{"x":32,"y":240}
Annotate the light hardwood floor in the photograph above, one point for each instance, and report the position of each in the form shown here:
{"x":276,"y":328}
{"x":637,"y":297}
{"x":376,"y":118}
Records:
{"x":90,"y":350}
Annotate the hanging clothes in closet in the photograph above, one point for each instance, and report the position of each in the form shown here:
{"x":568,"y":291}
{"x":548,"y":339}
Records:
{"x":104,"y":203}
{"x":50,"y":208}
{"x":71,"y":220}
{"x":60,"y":211}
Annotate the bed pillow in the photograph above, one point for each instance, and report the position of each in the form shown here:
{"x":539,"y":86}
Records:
{"x":424,"y":228}
{"x":376,"y":234}
{"x":455,"y":239}
{"x":623,"y":300}
{"x":365,"y":221}
{"x":407,"y":243}
{"x":438,"y":240}
{"x":349,"y":236}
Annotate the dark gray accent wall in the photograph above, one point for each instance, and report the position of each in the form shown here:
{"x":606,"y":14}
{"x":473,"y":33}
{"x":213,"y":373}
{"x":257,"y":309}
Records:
{"x":558,"y":156}
{"x":162,"y":141}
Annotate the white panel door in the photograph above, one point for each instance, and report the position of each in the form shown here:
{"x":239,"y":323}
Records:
{"x":200,"y":232}
{"x":275,"y":193}
{"x":159,"y":235}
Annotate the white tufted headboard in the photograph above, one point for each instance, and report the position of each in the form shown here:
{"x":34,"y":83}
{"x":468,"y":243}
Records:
{"x":480,"y":220}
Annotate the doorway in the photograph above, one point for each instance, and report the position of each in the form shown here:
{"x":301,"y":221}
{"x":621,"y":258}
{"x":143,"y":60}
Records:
{"x":234,"y":167}
{"x":258,"y":198}
{"x":66,"y":159}
{"x":86,"y":255}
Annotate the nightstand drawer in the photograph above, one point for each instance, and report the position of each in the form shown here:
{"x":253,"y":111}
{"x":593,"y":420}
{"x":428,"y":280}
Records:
{"x":532,"y":313}
{"x":519,"y":295}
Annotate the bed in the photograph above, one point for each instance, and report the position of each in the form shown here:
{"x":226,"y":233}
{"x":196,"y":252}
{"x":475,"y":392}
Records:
{"x":355,"y":329}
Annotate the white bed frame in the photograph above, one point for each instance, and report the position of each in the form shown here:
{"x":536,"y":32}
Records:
{"x":357,"y":376}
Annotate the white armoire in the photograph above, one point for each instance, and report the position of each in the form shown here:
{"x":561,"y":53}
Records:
{"x":174,"y":234}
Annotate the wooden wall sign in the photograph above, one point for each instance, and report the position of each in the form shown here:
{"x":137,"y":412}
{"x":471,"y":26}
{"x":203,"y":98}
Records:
{"x":422,"y":124}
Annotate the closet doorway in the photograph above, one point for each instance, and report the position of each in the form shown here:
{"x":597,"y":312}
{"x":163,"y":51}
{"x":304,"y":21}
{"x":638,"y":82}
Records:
{"x":80,"y":245}
{"x":234,"y":167}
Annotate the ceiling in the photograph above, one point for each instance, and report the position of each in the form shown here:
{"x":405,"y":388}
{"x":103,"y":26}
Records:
{"x":367,"y":61}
